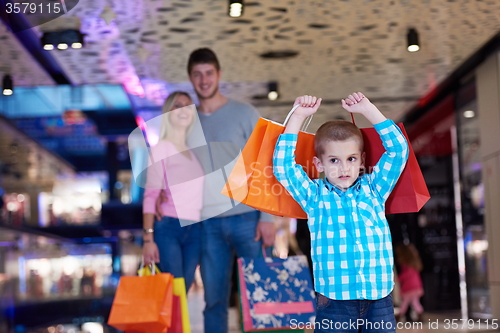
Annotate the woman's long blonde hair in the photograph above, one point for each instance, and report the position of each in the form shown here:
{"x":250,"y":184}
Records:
{"x":166,"y":126}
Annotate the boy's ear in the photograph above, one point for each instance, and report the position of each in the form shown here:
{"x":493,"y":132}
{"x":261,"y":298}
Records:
{"x":318,"y":165}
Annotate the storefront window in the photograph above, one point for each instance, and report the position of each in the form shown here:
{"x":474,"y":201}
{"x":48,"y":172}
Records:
{"x":73,"y":201}
{"x":475,"y":240}
{"x":16,"y":209}
{"x":36,"y":268}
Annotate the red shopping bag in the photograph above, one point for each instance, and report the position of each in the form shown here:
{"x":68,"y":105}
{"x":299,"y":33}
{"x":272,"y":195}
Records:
{"x":410,"y":193}
{"x":176,"y":326}
{"x":252,"y":181}
{"x":142,"y":303}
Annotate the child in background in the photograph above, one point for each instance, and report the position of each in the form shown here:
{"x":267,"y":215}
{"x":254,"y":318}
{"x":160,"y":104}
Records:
{"x":410,"y":282}
{"x":351,"y":245}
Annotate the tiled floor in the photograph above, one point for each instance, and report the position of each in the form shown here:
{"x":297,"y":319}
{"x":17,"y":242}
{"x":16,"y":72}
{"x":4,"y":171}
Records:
{"x":433,"y":322}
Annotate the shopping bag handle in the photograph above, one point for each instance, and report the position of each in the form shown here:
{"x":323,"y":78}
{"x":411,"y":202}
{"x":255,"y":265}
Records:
{"x":263,"y":250}
{"x":352,"y":118}
{"x":152,"y":268}
{"x":304,"y":125}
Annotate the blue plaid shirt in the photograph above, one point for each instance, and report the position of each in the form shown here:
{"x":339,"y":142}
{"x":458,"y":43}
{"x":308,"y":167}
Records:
{"x":351,"y":244}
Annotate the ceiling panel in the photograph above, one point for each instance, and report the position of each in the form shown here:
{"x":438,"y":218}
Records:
{"x":342,"y":46}
{"x":16,"y":61}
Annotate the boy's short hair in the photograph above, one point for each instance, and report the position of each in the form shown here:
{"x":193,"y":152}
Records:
{"x":202,"y":56}
{"x":336,"y":130}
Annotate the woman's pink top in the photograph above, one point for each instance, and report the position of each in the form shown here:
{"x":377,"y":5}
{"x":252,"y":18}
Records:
{"x":409,"y":279}
{"x":181,"y":178}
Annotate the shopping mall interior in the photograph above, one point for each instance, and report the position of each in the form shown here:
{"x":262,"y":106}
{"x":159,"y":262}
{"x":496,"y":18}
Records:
{"x":78,"y":77}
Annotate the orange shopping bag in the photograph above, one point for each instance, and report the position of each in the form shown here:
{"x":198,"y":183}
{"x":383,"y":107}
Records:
{"x":142,"y":303}
{"x":252,"y":181}
{"x":180,"y":313}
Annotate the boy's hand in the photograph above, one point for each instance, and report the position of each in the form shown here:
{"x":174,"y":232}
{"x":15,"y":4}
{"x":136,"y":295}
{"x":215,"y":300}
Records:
{"x":308,"y":105}
{"x":356,"y":103}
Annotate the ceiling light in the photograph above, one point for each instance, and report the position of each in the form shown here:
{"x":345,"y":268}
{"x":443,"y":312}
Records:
{"x":413,"y":45}
{"x":49,"y":39}
{"x":63,"y":39}
{"x":469,"y":114}
{"x":273,"y":91}
{"x":235,"y":8}
{"x":7,"y":85}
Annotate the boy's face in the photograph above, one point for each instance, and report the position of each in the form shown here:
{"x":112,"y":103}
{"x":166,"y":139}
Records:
{"x":341,"y":162}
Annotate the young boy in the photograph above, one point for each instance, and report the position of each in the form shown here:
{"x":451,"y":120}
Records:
{"x":350,"y":239}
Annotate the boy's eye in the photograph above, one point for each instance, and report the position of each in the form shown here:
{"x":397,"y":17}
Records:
{"x":334,"y":160}
{"x":352,"y":159}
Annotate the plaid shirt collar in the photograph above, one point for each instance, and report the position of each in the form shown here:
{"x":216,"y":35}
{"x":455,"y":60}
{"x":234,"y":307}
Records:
{"x":340,"y":190}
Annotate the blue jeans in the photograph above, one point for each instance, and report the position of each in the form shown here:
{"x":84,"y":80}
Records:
{"x":354,"y":316}
{"x":179,"y":248}
{"x":222,"y":237}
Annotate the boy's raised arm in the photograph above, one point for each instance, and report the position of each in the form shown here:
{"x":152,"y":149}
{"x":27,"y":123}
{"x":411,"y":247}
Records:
{"x":391,"y":164}
{"x":285,"y":169}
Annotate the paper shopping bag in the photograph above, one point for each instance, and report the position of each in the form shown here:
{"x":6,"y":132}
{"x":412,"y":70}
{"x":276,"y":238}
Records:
{"x":176,"y":326}
{"x":275,"y":293}
{"x":410,"y":193}
{"x":289,"y":330}
{"x":180,"y":314}
{"x":252,"y":181}
{"x":142,"y":303}
{"x":180,"y":291}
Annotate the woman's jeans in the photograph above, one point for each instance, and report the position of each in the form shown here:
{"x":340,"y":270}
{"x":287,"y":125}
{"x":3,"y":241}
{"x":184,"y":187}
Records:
{"x":221,"y":238}
{"x":179,"y":247}
{"x":354,"y":316}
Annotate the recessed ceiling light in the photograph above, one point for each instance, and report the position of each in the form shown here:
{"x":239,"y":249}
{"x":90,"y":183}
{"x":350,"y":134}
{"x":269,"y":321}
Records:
{"x":235,"y":8}
{"x":272,"y":94}
{"x":469,"y":114}
{"x":412,"y":37}
{"x":7,"y":85}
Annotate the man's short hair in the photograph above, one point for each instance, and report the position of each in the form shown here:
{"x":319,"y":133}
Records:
{"x":202,"y":56}
{"x":336,"y":130}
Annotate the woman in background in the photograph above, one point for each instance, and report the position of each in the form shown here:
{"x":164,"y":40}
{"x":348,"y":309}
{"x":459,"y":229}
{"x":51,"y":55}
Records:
{"x":411,"y":287}
{"x":179,"y":175}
